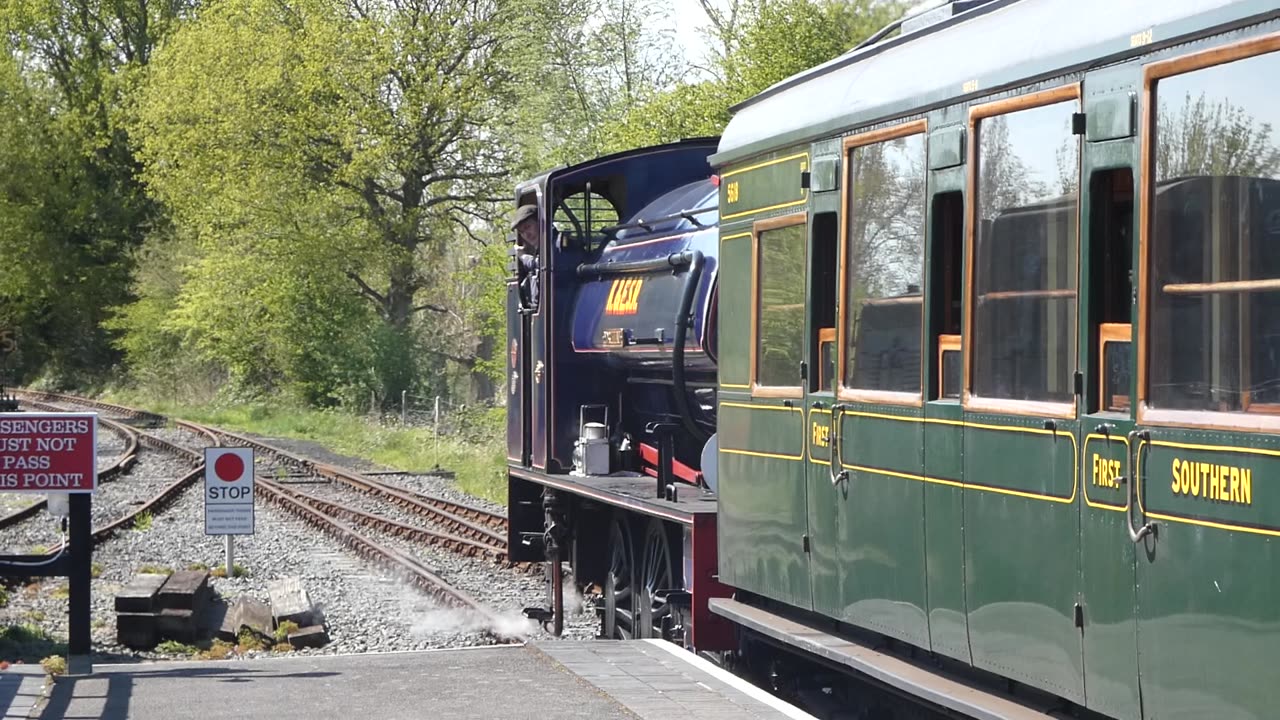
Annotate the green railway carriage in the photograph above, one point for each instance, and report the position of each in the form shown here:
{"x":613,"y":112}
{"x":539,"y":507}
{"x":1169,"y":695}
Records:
{"x":999,"y":359}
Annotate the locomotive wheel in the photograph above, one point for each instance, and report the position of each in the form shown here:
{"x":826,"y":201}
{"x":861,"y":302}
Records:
{"x":655,"y":576}
{"x":618,"y":617}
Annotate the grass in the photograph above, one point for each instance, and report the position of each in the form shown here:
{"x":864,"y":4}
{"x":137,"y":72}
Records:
{"x":475,"y":455}
{"x":54,"y":665}
{"x":173,"y":647}
{"x":28,"y":643}
{"x":237,"y":570}
{"x":217,"y":650}
{"x":155,"y":570}
{"x":142,"y":522}
{"x":283,"y":630}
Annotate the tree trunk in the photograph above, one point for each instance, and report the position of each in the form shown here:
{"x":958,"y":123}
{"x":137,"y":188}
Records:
{"x":398,"y":367}
{"x":482,"y":383}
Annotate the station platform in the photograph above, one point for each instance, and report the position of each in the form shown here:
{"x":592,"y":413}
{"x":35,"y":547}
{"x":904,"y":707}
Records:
{"x":545,"y":680}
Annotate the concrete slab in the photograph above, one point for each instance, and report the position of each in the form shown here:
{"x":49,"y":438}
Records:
{"x":599,"y":680}
{"x":657,"y":680}
{"x":20,"y":691}
{"x":491,"y":682}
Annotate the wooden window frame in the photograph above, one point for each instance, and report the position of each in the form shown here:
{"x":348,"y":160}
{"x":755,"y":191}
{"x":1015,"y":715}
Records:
{"x":758,"y":227}
{"x":844,"y":392}
{"x":946,"y":343}
{"x":978,"y":113}
{"x":1109,"y":333}
{"x":825,"y":335}
{"x":1266,"y":418}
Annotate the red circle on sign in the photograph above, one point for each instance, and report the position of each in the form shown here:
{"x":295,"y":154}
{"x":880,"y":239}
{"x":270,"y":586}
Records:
{"x":228,"y":467}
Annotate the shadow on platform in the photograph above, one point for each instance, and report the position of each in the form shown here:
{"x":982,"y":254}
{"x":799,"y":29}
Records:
{"x":106,"y":694}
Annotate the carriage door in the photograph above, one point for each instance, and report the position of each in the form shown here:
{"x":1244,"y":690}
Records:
{"x":1021,"y":449}
{"x":823,"y":497}
{"x":1107,"y":233}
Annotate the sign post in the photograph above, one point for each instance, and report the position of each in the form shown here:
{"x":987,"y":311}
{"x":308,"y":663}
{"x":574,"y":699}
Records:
{"x":56,"y":453}
{"x":228,"y":495}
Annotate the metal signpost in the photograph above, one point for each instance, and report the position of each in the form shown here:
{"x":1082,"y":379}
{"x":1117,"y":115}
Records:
{"x":228,"y":495}
{"x":56,"y":454}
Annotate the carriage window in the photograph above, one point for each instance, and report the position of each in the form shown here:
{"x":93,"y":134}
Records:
{"x":884,"y":252}
{"x":1114,"y":340}
{"x":822,"y":299}
{"x":1110,"y":265}
{"x":945,"y":281}
{"x":780,"y":268}
{"x":950,"y":364}
{"x":1024,"y":305}
{"x":1214,"y":288}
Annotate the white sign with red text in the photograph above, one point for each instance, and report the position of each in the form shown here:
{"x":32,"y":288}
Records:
{"x":228,"y":491}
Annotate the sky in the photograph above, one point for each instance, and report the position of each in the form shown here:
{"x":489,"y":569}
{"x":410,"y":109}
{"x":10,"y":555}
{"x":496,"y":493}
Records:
{"x":689,"y":19}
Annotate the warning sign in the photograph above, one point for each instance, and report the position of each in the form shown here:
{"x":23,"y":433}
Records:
{"x":48,"y":452}
{"x":228,"y":491}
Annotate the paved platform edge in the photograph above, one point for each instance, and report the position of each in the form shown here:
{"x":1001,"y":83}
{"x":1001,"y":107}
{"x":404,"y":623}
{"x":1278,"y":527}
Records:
{"x":29,"y":695}
{"x":734,"y":681}
{"x":651,"y":695}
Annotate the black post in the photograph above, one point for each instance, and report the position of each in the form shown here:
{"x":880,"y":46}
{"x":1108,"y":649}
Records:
{"x":81,"y":560}
{"x":666,"y":453}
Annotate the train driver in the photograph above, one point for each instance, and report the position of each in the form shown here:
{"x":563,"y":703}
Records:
{"x":526,"y":227}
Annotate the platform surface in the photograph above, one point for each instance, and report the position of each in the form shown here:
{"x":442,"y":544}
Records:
{"x":557,"y":679}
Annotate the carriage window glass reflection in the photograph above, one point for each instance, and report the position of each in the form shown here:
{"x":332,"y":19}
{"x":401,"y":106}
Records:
{"x":1115,"y":376}
{"x":780,"y":320}
{"x":1214,"y":288}
{"x":952,"y":363}
{"x":1024,"y":274}
{"x":883,"y":265}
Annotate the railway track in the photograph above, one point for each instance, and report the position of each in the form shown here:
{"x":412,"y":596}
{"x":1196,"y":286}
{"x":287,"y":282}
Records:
{"x":121,"y":464}
{"x":140,"y":416}
{"x":463,"y":520}
{"x":477,"y":536}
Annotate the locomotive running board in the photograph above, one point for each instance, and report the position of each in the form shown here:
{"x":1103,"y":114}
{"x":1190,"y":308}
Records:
{"x":913,"y":678}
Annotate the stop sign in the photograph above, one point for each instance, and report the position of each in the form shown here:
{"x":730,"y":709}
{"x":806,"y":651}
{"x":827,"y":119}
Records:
{"x":228,"y":491}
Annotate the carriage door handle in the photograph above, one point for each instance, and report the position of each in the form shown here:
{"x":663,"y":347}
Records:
{"x":1131,"y":478}
{"x":842,"y":475}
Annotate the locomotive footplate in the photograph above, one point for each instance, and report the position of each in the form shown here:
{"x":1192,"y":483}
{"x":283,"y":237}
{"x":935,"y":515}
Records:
{"x":632,"y":491}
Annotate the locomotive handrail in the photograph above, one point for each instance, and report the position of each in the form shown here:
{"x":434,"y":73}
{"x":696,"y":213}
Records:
{"x":683,"y":320}
{"x":674,"y":260}
{"x":1136,"y":535}
{"x":648,"y":224}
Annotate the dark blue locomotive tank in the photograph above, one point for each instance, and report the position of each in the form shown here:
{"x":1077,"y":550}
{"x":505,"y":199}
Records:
{"x":660,"y":266}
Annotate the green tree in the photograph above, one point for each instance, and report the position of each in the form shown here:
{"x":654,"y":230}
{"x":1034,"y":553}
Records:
{"x":760,"y":45}
{"x":782,"y":38}
{"x":330,"y":141}
{"x":82,"y":207}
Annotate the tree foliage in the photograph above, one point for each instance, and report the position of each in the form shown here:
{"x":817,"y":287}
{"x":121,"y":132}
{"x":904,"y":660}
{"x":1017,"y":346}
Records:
{"x":1213,"y":138}
{"x":71,"y":206}
{"x":310,"y":196}
{"x":324,"y":155}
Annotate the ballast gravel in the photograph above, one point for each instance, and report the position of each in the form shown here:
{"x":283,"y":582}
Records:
{"x":366,"y":608}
